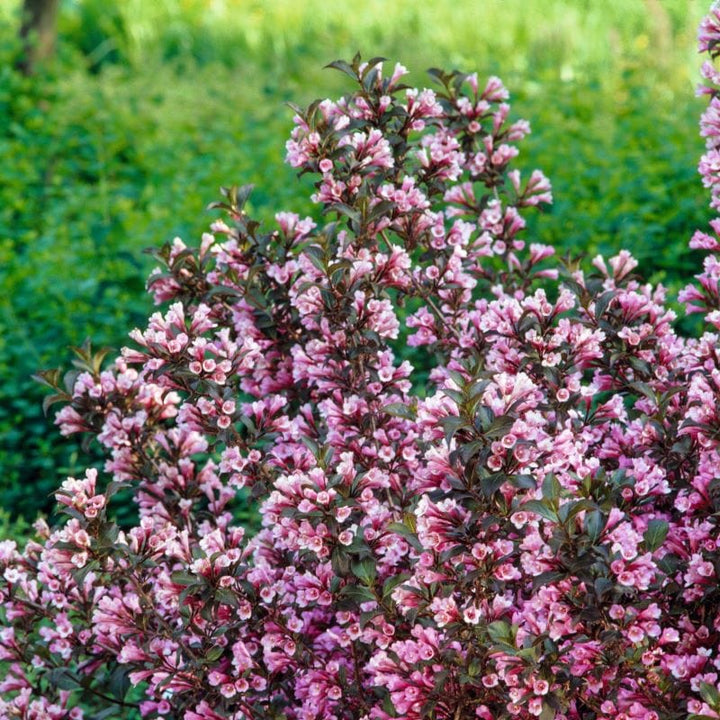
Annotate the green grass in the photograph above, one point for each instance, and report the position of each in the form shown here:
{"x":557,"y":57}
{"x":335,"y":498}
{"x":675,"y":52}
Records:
{"x":152,"y":106}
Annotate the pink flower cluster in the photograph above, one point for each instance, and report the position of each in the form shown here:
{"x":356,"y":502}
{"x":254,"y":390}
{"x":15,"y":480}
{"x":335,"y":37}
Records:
{"x":532,"y":533}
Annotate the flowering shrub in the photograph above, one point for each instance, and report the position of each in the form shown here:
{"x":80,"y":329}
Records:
{"x":537,"y":536}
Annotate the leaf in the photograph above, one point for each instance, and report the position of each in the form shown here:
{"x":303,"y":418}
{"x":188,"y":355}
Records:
{"x":80,"y":574}
{"x":539,"y":507}
{"x":570,"y":509}
{"x":358,"y":593}
{"x":50,"y":400}
{"x":601,"y":304}
{"x":316,"y":255}
{"x":49,"y":378}
{"x":214,"y":654}
{"x":641,"y":366}
{"x":119,"y":682}
{"x":469,"y":450}
{"x":477,"y":387}
{"x":98,"y":358}
{"x":499,"y":631}
{"x":393,"y":582}
{"x":62,"y":679}
{"x":655,"y":534}
{"x":524,"y":482}
{"x":373,"y":61}
{"x":104,"y":714}
{"x":74,"y":513}
{"x":242,"y":195}
{"x":551,"y":487}
{"x":226,"y":596}
{"x":109,"y":534}
{"x":456,"y":395}
{"x":311,"y":445}
{"x":483,"y":418}
{"x":365,"y":570}
{"x":451,"y":424}
{"x":500,"y":426}
{"x":342,"y":209}
{"x":437,"y":74}
{"x":602,"y":586}
{"x":458,"y":378}
{"x":593,"y":524}
{"x":410,"y":519}
{"x":643,"y":389}
{"x":492,"y":483}
{"x":547,"y":578}
{"x":113,"y":486}
{"x":180,"y":577}
{"x":342,"y":66}
{"x":669,"y":564}
{"x":400,"y":410}
{"x":710,"y":695}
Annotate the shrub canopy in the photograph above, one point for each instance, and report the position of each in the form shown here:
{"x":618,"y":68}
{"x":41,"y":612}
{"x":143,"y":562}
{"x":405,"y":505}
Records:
{"x":535,"y":535}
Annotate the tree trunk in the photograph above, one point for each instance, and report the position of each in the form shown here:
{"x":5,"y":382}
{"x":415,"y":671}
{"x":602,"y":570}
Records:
{"x":38,"y":31}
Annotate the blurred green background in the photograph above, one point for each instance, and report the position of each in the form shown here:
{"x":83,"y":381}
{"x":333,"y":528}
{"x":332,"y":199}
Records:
{"x":148,"y":106}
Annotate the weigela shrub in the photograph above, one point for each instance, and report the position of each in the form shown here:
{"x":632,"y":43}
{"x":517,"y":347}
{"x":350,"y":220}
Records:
{"x":533,"y":534}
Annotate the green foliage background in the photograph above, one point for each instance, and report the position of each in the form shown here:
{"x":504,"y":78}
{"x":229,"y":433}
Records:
{"x":150,"y":106}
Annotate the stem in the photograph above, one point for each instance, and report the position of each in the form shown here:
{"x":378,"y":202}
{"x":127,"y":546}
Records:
{"x":358,"y":679}
{"x":112,"y":700}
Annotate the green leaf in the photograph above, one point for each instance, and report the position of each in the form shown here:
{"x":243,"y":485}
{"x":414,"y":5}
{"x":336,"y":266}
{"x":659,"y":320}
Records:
{"x":570,"y":509}
{"x":551,"y":487}
{"x":311,"y":445}
{"x":500,"y":426}
{"x":226,"y":597}
{"x":655,"y":534}
{"x":547,"y":578}
{"x":342,"y":209}
{"x":540,"y":508}
{"x":499,"y":631}
{"x":400,"y":410}
{"x":451,"y":424}
{"x":710,"y":695}
{"x":358,"y":593}
{"x":365,"y":570}
{"x":214,"y":654}
{"x":62,"y":679}
{"x":180,"y":577}
{"x":393,"y":582}
{"x":594,"y":524}
{"x":344,"y":67}
{"x":316,"y":255}
{"x":119,"y":682}
{"x":643,"y":388}
{"x":492,"y":483}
